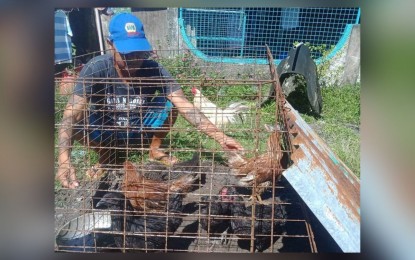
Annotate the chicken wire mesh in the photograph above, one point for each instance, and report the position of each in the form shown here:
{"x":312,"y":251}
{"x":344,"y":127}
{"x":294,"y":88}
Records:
{"x":227,"y":31}
{"x":203,"y":203}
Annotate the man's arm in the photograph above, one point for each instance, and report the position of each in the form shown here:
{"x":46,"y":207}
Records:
{"x":200,"y":121}
{"x":73,"y":113}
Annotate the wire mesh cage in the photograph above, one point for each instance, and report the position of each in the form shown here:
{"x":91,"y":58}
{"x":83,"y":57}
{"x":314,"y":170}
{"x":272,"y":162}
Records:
{"x":211,"y":199}
{"x":228,"y":31}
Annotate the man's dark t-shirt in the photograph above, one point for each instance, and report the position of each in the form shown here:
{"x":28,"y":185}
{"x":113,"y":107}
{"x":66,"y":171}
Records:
{"x":115,"y":105}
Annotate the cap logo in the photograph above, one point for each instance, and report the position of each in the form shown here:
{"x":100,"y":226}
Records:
{"x":130,"y":28}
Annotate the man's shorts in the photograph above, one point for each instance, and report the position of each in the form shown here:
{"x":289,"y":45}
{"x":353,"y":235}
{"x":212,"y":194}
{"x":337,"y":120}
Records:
{"x":139,"y":133}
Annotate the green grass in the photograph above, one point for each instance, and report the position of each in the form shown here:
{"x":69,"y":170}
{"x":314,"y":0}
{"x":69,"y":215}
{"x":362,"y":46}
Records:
{"x":338,"y":126}
{"x":342,"y":104}
{"x":339,"y":123}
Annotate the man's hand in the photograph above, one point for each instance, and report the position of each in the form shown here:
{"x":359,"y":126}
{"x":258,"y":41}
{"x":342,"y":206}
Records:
{"x":73,"y":113}
{"x":228,"y":143}
{"x":67,"y":177}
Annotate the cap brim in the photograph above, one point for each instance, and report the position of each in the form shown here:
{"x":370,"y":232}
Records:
{"x":131,"y":45}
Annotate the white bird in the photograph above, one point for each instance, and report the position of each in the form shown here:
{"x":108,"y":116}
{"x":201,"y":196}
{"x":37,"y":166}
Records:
{"x":219,"y":117}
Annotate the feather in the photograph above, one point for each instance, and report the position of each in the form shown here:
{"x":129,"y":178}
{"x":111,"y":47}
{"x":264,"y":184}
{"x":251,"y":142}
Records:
{"x":151,"y":194}
{"x":219,"y":117}
{"x":140,"y":232}
{"x":266,"y":224}
{"x":260,"y":170}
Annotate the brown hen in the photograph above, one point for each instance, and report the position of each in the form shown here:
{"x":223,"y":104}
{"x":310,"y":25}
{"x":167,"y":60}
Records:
{"x":146,"y":194}
{"x":259,"y":171}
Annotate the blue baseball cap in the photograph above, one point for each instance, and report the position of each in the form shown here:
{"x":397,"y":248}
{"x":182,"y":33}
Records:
{"x":127,"y":34}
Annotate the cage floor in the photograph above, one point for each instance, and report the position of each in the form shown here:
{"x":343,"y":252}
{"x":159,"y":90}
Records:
{"x":298,"y":235}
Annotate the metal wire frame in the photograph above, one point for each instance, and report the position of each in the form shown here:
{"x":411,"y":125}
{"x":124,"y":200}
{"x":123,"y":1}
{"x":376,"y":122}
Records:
{"x":298,"y":236}
{"x":72,"y":204}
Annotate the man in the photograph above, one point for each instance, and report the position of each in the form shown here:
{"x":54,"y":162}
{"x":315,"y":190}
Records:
{"x":131,"y":101}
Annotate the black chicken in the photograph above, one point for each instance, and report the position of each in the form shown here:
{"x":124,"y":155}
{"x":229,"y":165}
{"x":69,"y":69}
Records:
{"x":215,"y":213}
{"x":142,"y":232}
{"x":242,"y":220}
